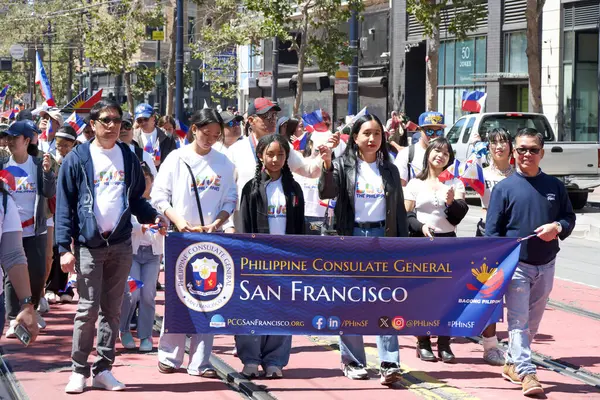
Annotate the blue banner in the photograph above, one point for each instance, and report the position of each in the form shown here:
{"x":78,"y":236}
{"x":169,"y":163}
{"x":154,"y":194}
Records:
{"x":330,"y":285}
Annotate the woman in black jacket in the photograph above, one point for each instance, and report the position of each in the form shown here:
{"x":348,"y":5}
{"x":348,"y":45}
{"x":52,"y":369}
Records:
{"x":272,"y":203}
{"x":369,"y":203}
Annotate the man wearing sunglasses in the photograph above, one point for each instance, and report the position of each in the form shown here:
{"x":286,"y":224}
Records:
{"x":529,"y":202}
{"x":150,"y":137}
{"x":410,"y":159}
{"x":126,"y":136}
{"x":233,"y":130}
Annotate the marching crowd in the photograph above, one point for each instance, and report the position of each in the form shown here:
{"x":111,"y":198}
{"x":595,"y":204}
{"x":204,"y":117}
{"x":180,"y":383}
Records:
{"x":89,"y":212}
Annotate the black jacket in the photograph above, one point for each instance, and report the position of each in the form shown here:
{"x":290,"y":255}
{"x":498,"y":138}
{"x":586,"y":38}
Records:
{"x":340,"y":182}
{"x":253,"y":209}
{"x":166,"y":142}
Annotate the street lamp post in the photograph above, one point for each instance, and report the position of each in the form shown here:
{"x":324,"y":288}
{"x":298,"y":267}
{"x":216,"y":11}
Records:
{"x":179,"y":63}
{"x":353,"y":69}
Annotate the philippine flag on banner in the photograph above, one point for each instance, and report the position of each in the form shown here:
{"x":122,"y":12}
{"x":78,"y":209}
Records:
{"x":301,"y":142}
{"x":473,"y":101}
{"x":473,"y":176}
{"x":314,"y":122}
{"x":452,"y":172}
{"x":181,"y":129}
{"x":76,"y":122}
{"x":42,"y":79}
{"x":134,"y":284}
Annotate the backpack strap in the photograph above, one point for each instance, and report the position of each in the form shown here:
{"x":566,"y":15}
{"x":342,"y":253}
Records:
{"x":198,"y":204}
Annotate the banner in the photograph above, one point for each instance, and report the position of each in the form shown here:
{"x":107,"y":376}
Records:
{"x":331,"y":285}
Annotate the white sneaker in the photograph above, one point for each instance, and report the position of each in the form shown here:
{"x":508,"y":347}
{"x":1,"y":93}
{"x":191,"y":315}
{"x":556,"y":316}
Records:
{"x":10,"y":333}
{"x":77,"y":382}
{"x":355,"y":371}
{"x":494,"y":356}
{"x":40,"y":321}
{"x":43,"y":306}
{"x":50,"y":297}
{"x":105,"y":380}
{"x":250,"y":371}
{"x":66,"y":298}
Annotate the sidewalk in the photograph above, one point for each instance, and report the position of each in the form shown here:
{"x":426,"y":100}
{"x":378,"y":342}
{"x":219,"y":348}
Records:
{"x":314,"y":369}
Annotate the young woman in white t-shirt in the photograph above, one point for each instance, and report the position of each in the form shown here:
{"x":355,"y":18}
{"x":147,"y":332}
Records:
{"x":369,"y":203}
{"x":434,"y":209}
{"x":272,"y":203}
{"x":500,"y":146}
{"x":212,"y":178}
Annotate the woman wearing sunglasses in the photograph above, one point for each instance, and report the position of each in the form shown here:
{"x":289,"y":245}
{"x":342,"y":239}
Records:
{"x":410,"y":159}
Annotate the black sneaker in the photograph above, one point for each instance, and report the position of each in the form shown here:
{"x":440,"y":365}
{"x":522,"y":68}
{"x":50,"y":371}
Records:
{"x":355,"y":371}
{"x":390,"y":373}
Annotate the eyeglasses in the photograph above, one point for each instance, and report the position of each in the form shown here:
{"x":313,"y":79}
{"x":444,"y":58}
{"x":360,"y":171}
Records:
{"x":531,"y":150}
{"x":107,"y":120}
{"x":271,"y":116}
{"x":233,"y":123}
{"x":142,"y":120}
{"x":434,"y":132}
{"x":126,"y":125}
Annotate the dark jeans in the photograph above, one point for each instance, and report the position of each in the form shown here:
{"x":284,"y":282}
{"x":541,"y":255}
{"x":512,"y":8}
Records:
{"x":35,"y":251}
{"x":101,"y":276}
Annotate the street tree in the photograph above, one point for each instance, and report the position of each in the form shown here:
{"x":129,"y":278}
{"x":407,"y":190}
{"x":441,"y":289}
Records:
{"x":534,"y":61}
{"x":429,"y":14}
{"x":114,"y":34}
{"x":313,"y":29}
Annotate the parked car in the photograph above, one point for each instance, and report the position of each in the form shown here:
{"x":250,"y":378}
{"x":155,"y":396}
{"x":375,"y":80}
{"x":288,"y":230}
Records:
{"x":577,"y":164}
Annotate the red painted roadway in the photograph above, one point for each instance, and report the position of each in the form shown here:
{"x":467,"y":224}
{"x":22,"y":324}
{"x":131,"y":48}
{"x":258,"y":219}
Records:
{"x":313,"y":372}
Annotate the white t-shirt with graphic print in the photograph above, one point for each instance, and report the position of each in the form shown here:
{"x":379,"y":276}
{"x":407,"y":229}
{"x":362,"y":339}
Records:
{"x":109,"y":186}
{"x":369,"y":194}
{"x":276,"y":209}
{"x":26,"y":187}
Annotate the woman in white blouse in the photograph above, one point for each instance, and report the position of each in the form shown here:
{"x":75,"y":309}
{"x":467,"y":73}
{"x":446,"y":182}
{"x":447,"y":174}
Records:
{"x":434,"y":209}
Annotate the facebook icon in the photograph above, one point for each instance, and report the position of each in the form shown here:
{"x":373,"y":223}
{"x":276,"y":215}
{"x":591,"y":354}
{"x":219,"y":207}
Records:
{"x":318,"y":322}
{"x":333,"y":323}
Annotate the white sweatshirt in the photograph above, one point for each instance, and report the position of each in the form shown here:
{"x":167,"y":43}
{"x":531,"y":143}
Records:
{"x":214,"y":174}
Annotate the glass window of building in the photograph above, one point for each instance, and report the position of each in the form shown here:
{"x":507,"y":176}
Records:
{"x":515,"y":57}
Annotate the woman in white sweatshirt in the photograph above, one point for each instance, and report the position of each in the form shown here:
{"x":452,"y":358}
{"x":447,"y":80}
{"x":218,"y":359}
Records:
{"x":173,"y":195}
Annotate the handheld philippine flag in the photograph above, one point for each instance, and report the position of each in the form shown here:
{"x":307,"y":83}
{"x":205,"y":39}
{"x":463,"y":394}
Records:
{"x":327,"y":203}
{"x":3,"y":94}
{"x":473,"y":101}
{"x":49,"y":129}
{"x":301,"y":142}
{"x":8,"y":179}
{"x":473,"y":176}
{"x":76,"y":122}
{"x":452,"y":172}
{"x":8,"y":114}
{"x":156,"y":151}
{"x":181,"y":129}
{"x":42,"y":79}
{"x":134,"y":284}
{"x":178,"y":143}
{"x":314,"y":122}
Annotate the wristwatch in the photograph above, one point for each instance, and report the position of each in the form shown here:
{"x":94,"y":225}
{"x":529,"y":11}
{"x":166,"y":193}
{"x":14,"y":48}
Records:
{"x":26,"y":300}
{"x":559,"y":227}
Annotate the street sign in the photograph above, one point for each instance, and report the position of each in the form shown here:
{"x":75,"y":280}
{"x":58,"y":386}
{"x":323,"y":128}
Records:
{"x":17,"y":51}
{"x":158,"y":35}
{"x":265,"y":78}
{"x":342,"y":73}
{"x":341,"y":86}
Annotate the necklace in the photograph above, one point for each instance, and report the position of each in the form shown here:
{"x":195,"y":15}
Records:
{"x":504,"y":172}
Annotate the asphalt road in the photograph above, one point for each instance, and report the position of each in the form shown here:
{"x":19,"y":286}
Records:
{"x":578,"y":260}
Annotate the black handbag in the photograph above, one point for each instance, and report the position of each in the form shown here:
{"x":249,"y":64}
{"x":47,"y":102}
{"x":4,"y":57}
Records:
{"x":327,"y":224}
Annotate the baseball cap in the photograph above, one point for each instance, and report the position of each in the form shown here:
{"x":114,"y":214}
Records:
{"x":261,"y":106}
{"x":431,"y":118}
{"x":22,"y":128}
{"x":55,"y":114}
{"x":127,"y":117}
{"x":143,"y":110}
{"x":228,"y":117}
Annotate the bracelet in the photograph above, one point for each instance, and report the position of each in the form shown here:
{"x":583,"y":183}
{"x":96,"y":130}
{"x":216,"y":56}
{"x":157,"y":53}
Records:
{"x":26,"y":300}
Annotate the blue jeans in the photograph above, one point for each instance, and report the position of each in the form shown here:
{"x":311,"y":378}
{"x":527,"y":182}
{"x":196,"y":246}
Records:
{"x":265,"y":350}
{"x":352,"y":346}
{"x":145,"y":267}
{"x":171,"y":349}
{"x":526,"y":300}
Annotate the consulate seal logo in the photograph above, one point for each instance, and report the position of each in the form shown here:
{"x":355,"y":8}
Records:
{"x":204,"y":277}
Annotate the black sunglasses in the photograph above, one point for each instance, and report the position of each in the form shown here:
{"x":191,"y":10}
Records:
{"x":126,"y":125}
{"x":436,"y":132}
{"x":233,"y":123}
{"x":532,"y":150}
{"x":142,"y":120}
{"x":108,"y":120}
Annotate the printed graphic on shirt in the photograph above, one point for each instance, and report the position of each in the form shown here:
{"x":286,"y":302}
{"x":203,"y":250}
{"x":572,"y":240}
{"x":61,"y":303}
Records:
{"x":369,"y":191}
{"x":490,"y":184}
{"x":276,"y":211}
{"x":110,"y":177}
{"x":23,"y":184}
{"x":551,"y":197}
{"x":207,"y":182}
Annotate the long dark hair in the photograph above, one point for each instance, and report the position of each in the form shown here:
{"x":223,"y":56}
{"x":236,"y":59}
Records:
{"x":203,"y":117}
{"x":383,"y":154}
{"x":287,"y":179}
{"x":435,"y":145}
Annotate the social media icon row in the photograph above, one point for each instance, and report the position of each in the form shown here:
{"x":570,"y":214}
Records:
{"x":320,"y":322}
